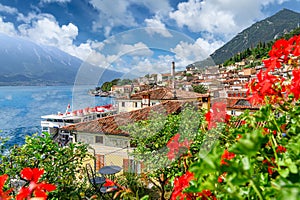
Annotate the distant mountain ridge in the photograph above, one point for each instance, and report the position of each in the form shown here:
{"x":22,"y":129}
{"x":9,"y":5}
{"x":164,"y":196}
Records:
{"x":263,"y":31}
{"x":23,"y":62}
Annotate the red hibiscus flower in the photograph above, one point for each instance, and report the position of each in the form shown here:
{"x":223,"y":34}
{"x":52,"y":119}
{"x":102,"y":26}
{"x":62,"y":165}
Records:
{"x":181,"y":183}
{"x":35,"y":188}
{"x":4,"y":195}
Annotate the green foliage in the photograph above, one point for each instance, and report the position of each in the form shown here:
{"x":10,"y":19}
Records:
{"x":151,"y":138}
{"x":135,"y":187}
{"x":106,"y":86}
{"x":200,"y":89}
{"x":62,"y":165}
{"x":258,"y":170}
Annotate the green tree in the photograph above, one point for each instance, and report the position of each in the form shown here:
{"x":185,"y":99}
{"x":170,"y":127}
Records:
{"x":200,"y":89}
{"x":63,"y":165}
{"x":106,"y":86}
{"x":151,"y":138}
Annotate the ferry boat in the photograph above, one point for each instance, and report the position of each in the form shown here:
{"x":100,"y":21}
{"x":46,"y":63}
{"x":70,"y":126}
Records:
{"x":53,"y":123}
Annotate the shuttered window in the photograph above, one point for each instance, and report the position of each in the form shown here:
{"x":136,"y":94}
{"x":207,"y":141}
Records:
{"x":99,"y":161}
{"x":132,"y":166}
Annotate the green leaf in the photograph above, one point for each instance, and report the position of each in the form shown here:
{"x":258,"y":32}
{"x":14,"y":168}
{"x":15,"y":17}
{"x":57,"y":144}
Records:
{"x":284,"y":172}
{"x":293,"y":168}
{"x":246,"y":163}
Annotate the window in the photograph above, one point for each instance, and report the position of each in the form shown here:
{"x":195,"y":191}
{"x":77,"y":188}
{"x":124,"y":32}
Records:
{"x":99,"y":139}
{"x":232,"y":112}
{"x":135,"y":104}
{"x":123,"y":104}
{"x":132,"y":166}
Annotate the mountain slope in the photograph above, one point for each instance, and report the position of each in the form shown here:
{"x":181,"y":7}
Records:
{"x":262,"y":31}
{"x":23,"y":62}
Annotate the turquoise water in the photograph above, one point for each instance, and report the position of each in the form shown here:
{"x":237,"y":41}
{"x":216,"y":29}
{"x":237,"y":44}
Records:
{"x":22,"y":106}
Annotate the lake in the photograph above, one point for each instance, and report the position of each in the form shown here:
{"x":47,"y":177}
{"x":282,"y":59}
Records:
{"x":21,"y":107}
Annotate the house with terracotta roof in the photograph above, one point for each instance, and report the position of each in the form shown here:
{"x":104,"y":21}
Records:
{"x":238,"y":105}
{"x":110,"y":142}
{"x":158,"y":95}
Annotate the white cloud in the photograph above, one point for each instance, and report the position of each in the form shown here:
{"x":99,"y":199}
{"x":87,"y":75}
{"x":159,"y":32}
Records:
{"x":138,"y":49}
{"x":55,"y":1}
{"x":7,"y":28}
{"x":187,"y":53}
{"x":140,"y":66}
{"x":8,"y":9}
{"x":48,"y":32}
{"x":112,"y":13}
{"x":117,"y":13}
{"x":221,"y":17}
{"x":155,"y":25}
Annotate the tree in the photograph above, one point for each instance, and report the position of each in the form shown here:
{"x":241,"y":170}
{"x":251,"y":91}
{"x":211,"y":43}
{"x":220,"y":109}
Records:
{"x":200,"y":89}
{"x":106,"y":86}
{"x":62,"y":165}
{"x":152,"y":139}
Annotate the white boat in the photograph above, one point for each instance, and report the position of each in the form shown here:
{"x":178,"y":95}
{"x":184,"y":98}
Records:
{"x":54,"y":122}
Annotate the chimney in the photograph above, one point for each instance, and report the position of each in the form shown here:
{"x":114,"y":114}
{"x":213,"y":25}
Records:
{"x":173,"y":80}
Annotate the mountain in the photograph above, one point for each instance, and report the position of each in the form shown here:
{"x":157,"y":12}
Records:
{"x":263,"y":31}
{"x":23,"y":62}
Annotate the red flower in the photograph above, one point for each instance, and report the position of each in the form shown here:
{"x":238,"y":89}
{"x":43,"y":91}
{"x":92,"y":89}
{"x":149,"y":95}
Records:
{"x":4,"y":195}
{"x":295,"y":43}
{"x":108,"y":183}
{"x":270,"y":165}
{"x":32,"y":174}
{"x":226,"y":156}
{"x":271,"y":63}
{"x":222,"y":177}
{"x":181,"y":183}
{"x":280,"y":49}
{"x":35,"y":188}
{"x":175,"y":146}
{"x":216,"y":115}
{"x":295,"y":84}
{"x":266,"y":85}
{"x":206,"y":194}
{"x":283,"y":53}
{"x":280,"y":149}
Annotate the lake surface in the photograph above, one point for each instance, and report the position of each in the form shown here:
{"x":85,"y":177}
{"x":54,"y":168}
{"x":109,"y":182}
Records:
{"x":21,"y":107}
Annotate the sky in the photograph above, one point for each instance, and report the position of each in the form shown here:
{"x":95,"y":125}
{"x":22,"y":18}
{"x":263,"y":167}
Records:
{"x":140,"y":36}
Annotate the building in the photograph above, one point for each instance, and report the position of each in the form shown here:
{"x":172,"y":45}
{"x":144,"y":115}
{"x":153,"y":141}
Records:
{"x":158,"y":95}
{"x":237,"y":106}
{"x":110,"y":142}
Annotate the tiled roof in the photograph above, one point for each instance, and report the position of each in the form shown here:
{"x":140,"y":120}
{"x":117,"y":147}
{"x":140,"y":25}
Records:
{"x":240,"y":103}
{"x":111,"y":124}
{"x":166,"y":94}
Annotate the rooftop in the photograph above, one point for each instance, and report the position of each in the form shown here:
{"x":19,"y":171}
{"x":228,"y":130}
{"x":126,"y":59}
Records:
{"x":111,"y":124}
{"x":166,"y":94}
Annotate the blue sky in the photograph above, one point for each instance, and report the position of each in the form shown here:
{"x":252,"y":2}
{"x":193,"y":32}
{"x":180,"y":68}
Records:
{"x":135,"y":35}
